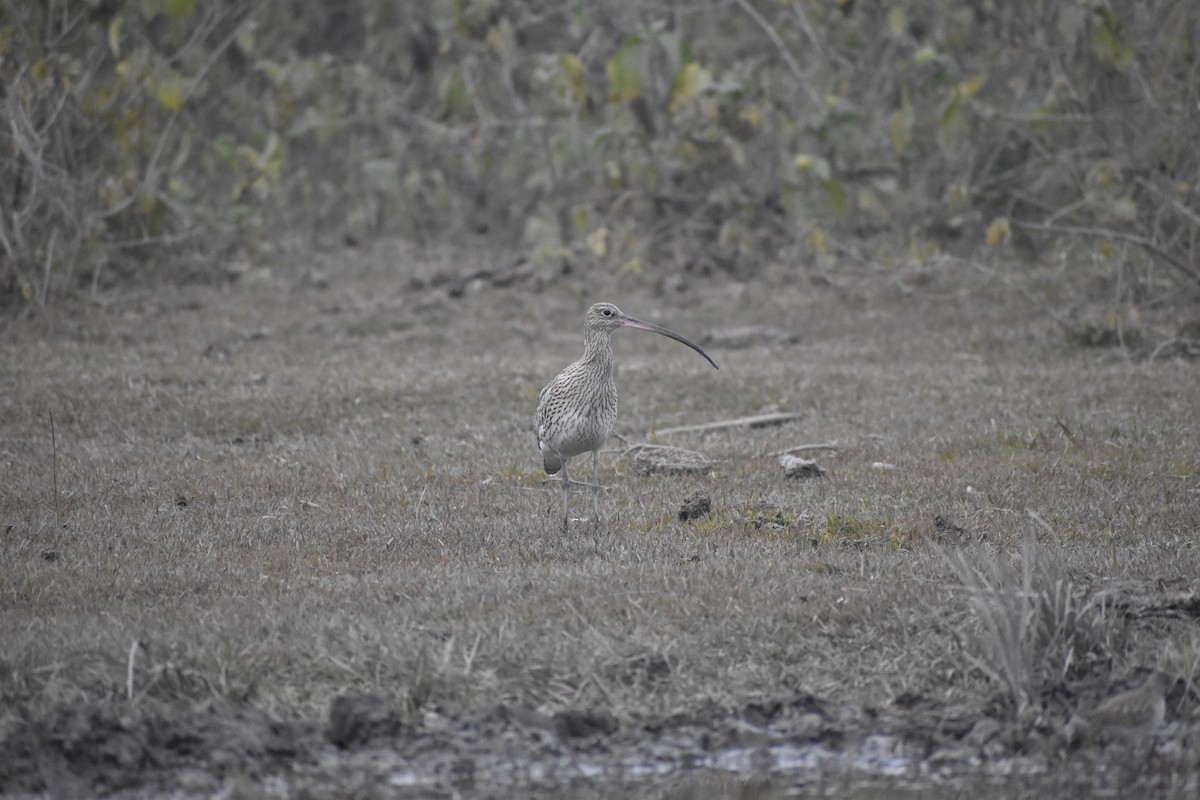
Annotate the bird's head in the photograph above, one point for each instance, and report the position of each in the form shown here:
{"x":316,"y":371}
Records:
{"x":604,"y":318}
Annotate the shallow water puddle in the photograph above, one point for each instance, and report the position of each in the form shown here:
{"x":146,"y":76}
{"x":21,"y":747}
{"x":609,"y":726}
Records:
{"x":877,"y":757}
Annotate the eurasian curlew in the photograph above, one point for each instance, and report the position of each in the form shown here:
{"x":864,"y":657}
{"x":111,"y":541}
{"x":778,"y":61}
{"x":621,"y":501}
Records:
{"x":576,"y":411}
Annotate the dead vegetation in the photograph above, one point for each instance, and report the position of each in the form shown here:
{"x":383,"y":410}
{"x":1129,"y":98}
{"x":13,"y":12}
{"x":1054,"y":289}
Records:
{"x":153,"y":140}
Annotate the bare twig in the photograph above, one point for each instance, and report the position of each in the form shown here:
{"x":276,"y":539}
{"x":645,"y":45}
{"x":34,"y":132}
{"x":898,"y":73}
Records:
{"x":756,"y":421}
{"x":1185,"y":346}
{"x":150,"y":173}
{"x":1058,"y":316}
{"x":1108,"y":233}
{"x":46,"y":268}
{"x":806,"y":26}
{"x":146,"y":241}
{"x":54,"y":471}
{"x":129,"y":667}
{"x":773,"y":35}
{"x":1179,"y":207}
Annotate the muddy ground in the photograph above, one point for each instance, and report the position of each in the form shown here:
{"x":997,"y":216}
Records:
{"x":166,"y":566}
{"x":799,"y":744}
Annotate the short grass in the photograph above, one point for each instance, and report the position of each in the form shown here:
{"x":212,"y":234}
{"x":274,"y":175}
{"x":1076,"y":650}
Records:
{"x":280,"y":493}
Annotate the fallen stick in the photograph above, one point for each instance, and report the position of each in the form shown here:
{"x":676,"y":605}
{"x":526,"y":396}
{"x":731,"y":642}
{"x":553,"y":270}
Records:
{"x":757,"y":421}
{"x":801,"y":448}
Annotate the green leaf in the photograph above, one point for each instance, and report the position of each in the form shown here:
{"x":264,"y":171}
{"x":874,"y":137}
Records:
{"x":271,"y":160}
{"x":114,"y":35}
{"x":688,"y":83}
{"x":170,"y":95}
{"x":245,"y":36}
{"x":685,"y":53}
{"x":1113,"y":39}
{"x":817,"y":241}
{"x":128,"y":126}
{"x":999,"y":231}
{"x":900,"y":125}
{"x":817,"y":164}
{"x":597,"y":241}
{"x":455,"y":100}
{"x":225,"y":147}
{"x":836,"y":194}
{"x":572,"y":69}
{"x":1044,"y":122}
{"x":152,"y":211}
{"x":925,"y":55}
{"x":950,"y":112}
{"x":624,"y":73}
{"x":970,"y":86}
{"x":178,"y":9}
{"x":1123,"y":209}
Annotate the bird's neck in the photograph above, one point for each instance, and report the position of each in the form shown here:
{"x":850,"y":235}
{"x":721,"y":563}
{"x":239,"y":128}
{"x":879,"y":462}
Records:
{"x":597,"y":349}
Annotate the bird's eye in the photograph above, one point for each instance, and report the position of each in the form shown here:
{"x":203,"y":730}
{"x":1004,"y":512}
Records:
{"x":607,"y":312}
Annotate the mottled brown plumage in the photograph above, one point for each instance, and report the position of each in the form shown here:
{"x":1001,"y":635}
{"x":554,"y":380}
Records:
{"x":577,"y":410}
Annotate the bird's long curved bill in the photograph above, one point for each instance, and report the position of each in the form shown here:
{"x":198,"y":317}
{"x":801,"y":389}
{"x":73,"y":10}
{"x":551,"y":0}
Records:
{"x":634,"y":322}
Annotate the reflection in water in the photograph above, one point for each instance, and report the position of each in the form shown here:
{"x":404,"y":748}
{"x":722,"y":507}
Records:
{"x":876,"y":769}
{"x":710,"y":787}
{"x":787,"y":771}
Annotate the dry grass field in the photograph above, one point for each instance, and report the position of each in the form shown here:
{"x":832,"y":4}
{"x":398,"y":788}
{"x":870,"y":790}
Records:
{"x":290,"y":536}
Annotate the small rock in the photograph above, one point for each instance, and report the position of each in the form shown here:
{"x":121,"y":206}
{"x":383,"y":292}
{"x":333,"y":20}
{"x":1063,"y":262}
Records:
{"x":796,"y":467}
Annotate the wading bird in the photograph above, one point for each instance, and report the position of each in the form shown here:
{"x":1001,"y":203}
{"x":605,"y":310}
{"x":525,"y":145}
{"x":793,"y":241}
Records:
{"x":576,"y":410}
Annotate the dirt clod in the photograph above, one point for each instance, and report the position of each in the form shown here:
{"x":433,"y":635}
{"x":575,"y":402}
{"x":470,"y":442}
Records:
{"x":357,"y":719}
{"x":577,"y":724}
{"x":695,"y":505}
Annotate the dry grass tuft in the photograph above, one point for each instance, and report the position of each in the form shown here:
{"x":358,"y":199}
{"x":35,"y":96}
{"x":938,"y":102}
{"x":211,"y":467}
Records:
{"x":1031,"y":625}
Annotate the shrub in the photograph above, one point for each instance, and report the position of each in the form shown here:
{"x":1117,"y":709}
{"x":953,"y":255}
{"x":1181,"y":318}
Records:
{"x":684,"y":135}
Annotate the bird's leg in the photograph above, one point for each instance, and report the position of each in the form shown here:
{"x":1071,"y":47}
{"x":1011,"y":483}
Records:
{"x":566,"y":482}
{"x":596,"y":486}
